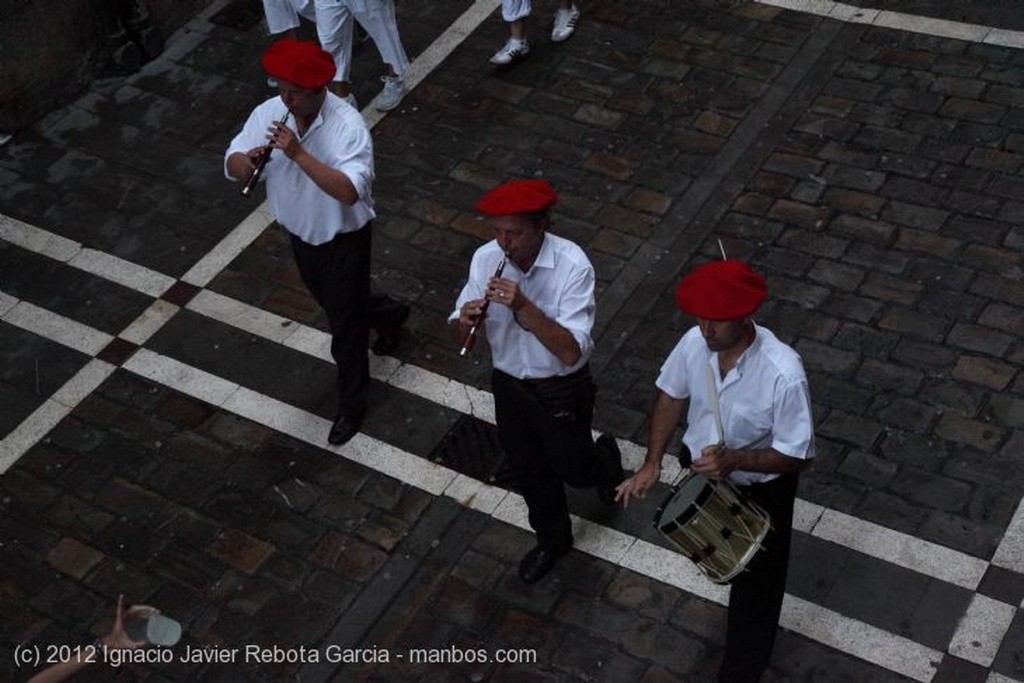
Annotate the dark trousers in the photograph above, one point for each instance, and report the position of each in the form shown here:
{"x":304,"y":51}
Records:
{"x":544,"y":428}
{"x":755,"y":601}
{"x":337,"y":274}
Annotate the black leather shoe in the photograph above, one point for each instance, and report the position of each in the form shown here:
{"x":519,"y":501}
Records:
{"x":342,"y":431}
{"x":536,"y":563}
{"x":389,"y":328}
{"x":611,"y":460}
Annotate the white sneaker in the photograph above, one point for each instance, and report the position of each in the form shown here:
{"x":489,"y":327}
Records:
{"x":565,"y":24}
{"x":514,"y":49}
{"x":391,"y":95}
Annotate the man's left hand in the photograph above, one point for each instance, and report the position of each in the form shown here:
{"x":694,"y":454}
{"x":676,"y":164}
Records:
{"x":505,"y":292}
{"x":283,"y":138}
{"x":715,"y":462}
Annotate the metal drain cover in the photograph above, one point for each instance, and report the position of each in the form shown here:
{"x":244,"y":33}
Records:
{"x":471,"y":447}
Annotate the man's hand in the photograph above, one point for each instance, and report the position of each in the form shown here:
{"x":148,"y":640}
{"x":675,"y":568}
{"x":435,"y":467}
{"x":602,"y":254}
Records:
{"x":506,"y":292}
{"x":715,"y":462}
{"x":283,"y":138}
{"x":241,"y":165}
{"x":470,"y":312}
{"x":638,"y":485}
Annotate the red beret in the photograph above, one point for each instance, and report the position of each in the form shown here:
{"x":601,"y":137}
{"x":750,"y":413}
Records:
{"x":721,"y":290}
{"x":517,"y":196}
{"x":301,"y":62}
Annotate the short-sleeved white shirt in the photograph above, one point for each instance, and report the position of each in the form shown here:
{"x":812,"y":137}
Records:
{"x":764,"y":400}
{"x":560,"y":283}
{"x":337,"y":137}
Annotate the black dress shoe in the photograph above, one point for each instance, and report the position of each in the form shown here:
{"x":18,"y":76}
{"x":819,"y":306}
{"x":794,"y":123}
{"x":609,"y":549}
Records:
{"x":389,"y":328}
{"x":343,"y":430}
{"x":536,"y":563}
{"x":611,"y":460}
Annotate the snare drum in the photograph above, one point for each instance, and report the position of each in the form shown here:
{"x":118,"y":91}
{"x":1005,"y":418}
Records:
{"x":712,"y":525}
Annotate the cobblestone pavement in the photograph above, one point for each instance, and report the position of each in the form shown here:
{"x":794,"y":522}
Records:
{"x":166,"y":386}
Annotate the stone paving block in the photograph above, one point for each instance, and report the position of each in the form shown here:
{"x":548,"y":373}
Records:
{"x":964,"y":398}
{"x":922,"y":451}
{"x":866,"y":340}
{"x":67,"y":602}
{"x":925,"y":355}
{"x":973,"y":203}
{"x":521,"y":629}
{"x":953,"y":305}
{"x":972,"y":110}
{"x":801,"y":294}
{"x":78,"y":517}
{"x":892,"y":289}
{"x":935,"y":273}
{"x":986,"y":371}
{"x":73,"y":558}
{"x":999,"y":288}
{"x":882,"y":375}
{"x":1009,"y":410}
{"x":956,"y":531}
{"x":112,"y":578}
{"x":349,"y":556}
{"x":465,"y":605}
{"x":592,"y":659}
{"x":906,"y":414}
{"x":827,"y":390}
{"x":130,"y":500}
{"x":1002,"y":317}
{"x":852,"y":429}
{"x":979,"y":338}
{"x":240,"y":550}
{"x":838,"y":275}
{"x":923,"y":325}
{"x":819,"y":357}
{"x":932,"y":490}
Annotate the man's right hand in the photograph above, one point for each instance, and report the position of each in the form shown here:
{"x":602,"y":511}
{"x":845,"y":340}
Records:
{"x":638,"y":485}
{"x":241,"y":165}
{"x":470,"y":312}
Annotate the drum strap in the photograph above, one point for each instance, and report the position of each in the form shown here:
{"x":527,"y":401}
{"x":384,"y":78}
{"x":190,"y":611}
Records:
{"x":715,"y":407}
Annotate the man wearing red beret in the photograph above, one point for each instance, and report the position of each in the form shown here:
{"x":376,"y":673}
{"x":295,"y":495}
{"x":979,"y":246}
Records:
{"x":538,"y":311}
{"x":731,"y":366}
{"x":319,"y":183}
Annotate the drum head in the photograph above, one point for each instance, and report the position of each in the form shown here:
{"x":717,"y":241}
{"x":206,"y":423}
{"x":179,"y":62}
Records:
{"x":684,"y":501}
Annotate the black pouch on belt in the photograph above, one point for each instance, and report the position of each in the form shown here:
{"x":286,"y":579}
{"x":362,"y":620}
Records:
{"x":566,"y":399}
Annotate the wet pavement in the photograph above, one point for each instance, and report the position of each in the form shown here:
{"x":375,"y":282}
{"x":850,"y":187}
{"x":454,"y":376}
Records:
{"x":167,"y":386}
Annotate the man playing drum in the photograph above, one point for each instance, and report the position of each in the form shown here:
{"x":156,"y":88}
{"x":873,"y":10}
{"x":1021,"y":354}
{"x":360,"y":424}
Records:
{"x":763,"y":406}
{"x":538,"y":310}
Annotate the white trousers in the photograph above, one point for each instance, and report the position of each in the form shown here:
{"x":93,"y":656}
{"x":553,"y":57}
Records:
{"x":334,"y":27}
{"x":514,"y":10}
{"x":283,"y":15}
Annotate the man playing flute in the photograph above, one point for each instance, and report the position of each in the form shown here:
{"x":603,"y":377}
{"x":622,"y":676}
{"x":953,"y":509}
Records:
{"x":539,"y":315}
{"x":319,"y":188}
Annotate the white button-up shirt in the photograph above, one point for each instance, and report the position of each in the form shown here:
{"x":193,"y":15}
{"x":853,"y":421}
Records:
{"x":764,"y":400}
{"x":560,"y":283}
{"x":337,"y":137}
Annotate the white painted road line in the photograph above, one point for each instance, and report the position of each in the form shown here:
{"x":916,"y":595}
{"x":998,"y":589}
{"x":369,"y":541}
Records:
{"x":901,"y":21}
{"x":36,"y":426}
{"x":981,"y":630}
{"x":861,"y":640}
{"x":1010,"y":553}
{"x":900,"y":549}
{"x":55,"y":327}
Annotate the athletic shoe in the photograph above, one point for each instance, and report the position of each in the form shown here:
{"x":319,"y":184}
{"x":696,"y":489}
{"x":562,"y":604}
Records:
{"x":391,"y":95}
{"x":565,"y":24}
{"x":515,"y":49}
